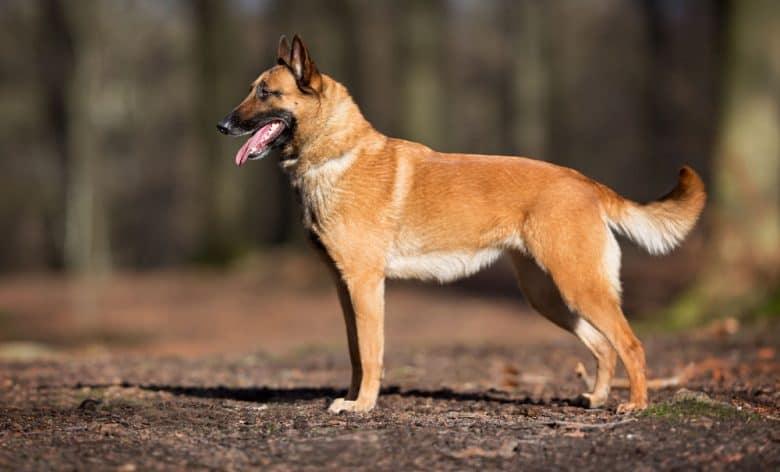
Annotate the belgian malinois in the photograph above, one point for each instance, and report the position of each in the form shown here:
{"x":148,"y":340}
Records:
{"x":379,"y":207}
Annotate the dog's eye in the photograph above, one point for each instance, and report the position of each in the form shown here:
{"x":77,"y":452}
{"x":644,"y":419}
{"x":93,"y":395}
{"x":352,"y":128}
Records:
{"x":263,"y":92}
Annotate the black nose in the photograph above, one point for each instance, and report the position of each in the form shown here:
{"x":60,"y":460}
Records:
{"x":226,"y":124}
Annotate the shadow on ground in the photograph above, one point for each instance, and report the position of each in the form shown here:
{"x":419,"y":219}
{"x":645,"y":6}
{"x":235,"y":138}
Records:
{"x":292,"y":395}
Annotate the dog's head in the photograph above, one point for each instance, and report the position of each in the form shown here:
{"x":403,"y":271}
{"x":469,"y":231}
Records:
{"x":278,"y":99}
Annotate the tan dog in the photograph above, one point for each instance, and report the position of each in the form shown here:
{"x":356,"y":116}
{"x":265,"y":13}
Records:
{"x":379,"y":207}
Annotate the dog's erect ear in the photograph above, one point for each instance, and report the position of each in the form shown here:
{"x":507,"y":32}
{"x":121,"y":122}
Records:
{"x":283,"y":54}
{"x":303,"y":67}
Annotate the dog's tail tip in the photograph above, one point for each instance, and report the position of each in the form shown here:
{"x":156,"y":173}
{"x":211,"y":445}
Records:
{"x":660,"y":226}
{"x":690,"y":181}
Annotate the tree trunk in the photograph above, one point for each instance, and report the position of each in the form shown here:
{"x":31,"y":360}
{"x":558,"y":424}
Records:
{"x":423,"y":24}
{"x":219,"y":193}
{"x":744,"y":252}
{"x":55,"y":56}
{"x":526,"y":114}
{"x":87,"y":248}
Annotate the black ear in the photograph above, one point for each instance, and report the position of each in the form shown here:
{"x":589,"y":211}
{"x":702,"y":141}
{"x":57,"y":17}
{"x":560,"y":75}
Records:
{"x":283,"y":54}
{"x":303,"y":67}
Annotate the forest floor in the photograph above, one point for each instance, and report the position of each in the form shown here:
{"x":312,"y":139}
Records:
{"x":204,"y":371}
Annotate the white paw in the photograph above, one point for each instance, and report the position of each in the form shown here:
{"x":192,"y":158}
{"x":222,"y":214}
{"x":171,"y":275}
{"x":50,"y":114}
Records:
{"x":592,"y":400}
{"x":355,"y":406}
{"x":340,"y":405}
{"x":631,"y":407}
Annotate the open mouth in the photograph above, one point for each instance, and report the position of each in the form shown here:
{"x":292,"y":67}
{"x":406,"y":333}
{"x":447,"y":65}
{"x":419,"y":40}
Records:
{"x":260,"y":144}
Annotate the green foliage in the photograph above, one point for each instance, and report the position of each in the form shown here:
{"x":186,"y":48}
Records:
{"x":686,"y":312}
{"x":688,"y":409}
{"x":769,"y":308}
{"x":695,"y":308}
{"x":6,"y":322}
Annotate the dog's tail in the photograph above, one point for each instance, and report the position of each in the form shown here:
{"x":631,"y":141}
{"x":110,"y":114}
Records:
{"x":661,"y":225}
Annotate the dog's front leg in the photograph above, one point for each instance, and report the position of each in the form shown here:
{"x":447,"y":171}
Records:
{"x":366,"y":292}
{"x":352,"y":338}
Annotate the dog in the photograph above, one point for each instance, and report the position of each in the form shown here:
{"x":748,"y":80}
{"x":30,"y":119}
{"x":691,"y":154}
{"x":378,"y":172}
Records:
{"x":377,"y":207}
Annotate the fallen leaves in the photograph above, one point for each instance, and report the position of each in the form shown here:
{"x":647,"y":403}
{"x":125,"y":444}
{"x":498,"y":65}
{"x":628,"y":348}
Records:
{"x":508,"y":377}
{"x":766,"y":353}
{"x":585,"y":426}
{"x":719,"y":329}
{"x":506,"y":451}
{"x":652,"y":384}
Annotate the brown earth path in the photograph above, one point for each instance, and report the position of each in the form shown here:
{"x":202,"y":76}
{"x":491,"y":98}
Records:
{"x":203,"y":371}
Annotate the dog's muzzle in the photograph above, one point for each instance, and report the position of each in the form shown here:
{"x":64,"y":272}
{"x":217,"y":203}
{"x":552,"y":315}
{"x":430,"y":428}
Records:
{"x":226,"y":125}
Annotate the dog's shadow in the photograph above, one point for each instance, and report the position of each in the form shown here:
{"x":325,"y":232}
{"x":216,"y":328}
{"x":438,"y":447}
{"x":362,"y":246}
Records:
{"x":295,"y":394}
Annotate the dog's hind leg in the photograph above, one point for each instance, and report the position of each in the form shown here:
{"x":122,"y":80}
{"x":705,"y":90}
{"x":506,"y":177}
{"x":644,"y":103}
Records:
{"x":583,"y":260}
{"x":543,"y":295}
{"x":610,"y":320}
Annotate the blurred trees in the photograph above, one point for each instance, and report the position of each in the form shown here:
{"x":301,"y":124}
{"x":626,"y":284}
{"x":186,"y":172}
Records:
{"x":87,"y":246}
{"x":110,"y":156}
{"x":422,"y":34}
{"x":747,"y":159}
{"x":743,"y":268}
{"x":70,"y":66}
{"x":214,"y":43}
{"x":526,"y":84}
{"x":54,"y":51}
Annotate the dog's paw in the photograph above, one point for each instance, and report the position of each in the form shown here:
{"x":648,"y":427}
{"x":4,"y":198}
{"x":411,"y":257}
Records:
{"x":354,"y":406}
{"x":590,"y":400}
{"x":630,"y":407}
{"x":340,"y":405}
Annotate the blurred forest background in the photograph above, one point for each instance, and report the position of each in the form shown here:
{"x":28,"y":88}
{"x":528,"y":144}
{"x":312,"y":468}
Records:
{"x":111,"y":161}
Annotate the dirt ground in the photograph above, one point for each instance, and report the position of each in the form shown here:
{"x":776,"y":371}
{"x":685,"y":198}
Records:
{"x":226,"y":371}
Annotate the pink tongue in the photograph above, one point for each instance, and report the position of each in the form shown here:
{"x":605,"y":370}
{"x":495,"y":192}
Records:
{"x":258,"y":141}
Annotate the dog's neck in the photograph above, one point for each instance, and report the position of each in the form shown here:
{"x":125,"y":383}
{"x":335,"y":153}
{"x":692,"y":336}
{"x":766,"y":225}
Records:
{"x":335,"y":132}
{"x":332,"y":147}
